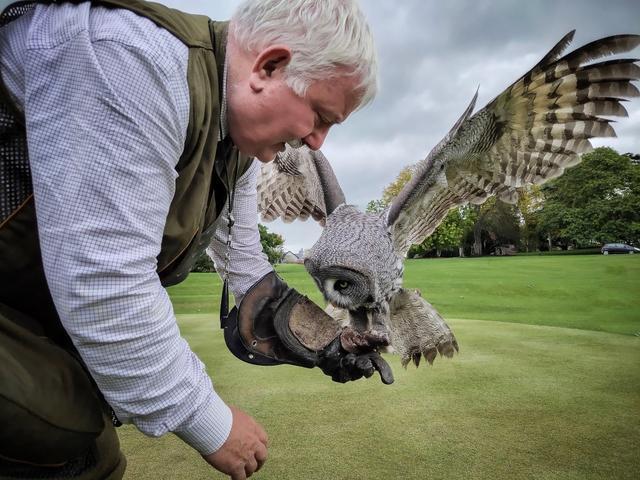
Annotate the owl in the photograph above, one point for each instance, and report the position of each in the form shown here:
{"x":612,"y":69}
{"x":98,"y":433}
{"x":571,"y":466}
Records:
{"x":527,"y":135}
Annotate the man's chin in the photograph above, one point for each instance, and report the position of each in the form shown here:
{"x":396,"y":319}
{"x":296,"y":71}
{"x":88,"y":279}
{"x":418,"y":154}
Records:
{"x":269,"y":154}
{"x":266,"y":157}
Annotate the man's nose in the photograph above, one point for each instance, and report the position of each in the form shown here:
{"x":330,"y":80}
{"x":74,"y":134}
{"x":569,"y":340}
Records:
{"x":316,"y":138}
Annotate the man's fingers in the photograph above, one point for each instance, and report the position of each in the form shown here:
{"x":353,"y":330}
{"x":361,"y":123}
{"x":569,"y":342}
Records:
{"x":245,"y":450}
{"x":250,"y":466}
{"x":261,"y":456}
{"x":262,"y":435}
{"x":238,"y":474}
{"x":386,"y":375}
{"x":260,"y":451}
{"x":344,"y":367}
{"x":340,"y":376}
{"x":365,"y":365}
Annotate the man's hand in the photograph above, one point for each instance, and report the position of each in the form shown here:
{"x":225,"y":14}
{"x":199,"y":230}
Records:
{"x":343,"y":366}
{"x":245,"y":451}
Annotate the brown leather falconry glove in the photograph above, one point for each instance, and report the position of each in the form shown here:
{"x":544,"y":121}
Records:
{"x":275,"y":324}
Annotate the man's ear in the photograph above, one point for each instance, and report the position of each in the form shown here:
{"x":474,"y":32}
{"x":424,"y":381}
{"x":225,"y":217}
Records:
{"x":269,"y":63}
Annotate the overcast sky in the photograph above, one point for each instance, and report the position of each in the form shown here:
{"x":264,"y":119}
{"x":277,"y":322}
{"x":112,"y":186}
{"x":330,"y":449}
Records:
{"x":433,"y":56}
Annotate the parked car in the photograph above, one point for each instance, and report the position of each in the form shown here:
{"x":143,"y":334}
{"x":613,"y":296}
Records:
{"x":618,"y":248}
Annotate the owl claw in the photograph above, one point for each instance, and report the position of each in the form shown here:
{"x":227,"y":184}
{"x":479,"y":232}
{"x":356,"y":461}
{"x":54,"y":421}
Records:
{"x":445,"y":347}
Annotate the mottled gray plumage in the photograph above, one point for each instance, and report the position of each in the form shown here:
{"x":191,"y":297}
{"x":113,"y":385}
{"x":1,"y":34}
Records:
{"x":527,"y":135}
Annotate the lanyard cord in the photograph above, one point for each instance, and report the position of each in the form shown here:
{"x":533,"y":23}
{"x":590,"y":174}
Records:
{"x":231,"y":195}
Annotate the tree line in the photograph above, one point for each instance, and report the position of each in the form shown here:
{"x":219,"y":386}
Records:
{"x":595,"y":202}
{"x":272,"y":246}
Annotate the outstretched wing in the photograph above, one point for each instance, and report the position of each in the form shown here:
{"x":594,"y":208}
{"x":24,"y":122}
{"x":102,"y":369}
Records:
{"x":299,"y":183}
{"x":527,"y":135}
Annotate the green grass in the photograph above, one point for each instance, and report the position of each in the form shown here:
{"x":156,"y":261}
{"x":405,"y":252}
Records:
{"x":581,"y":251}
{"x":599,"y":293}
{"x":522,"y":400}
{"x":589,"y":292}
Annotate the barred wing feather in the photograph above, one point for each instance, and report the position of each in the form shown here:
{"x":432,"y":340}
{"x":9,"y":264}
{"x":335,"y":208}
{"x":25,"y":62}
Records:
{"x":298,"y":184}
{"x":527,"y":135}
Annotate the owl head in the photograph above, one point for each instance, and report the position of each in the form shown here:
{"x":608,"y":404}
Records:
{"x":354,"y":263}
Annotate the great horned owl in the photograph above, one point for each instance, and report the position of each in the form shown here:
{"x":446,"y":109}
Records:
{"x":527,"y":135}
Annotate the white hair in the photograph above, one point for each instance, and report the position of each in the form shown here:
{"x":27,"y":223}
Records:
{"x":324,"y":36}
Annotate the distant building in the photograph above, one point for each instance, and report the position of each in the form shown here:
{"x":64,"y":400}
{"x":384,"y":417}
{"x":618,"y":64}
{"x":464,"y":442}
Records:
{"x":290,"y":257}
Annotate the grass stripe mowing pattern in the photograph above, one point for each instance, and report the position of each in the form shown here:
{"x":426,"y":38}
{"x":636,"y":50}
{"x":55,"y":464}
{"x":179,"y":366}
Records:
{"x":522,"y":400}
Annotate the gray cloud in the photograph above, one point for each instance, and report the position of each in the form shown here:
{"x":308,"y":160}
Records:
{"x":433,"y":56}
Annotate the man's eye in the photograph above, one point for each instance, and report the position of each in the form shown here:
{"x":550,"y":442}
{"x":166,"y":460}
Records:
{"x":322,"y":120}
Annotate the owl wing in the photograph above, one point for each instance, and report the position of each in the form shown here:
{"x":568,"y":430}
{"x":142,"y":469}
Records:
{"x":527,"y":135}
{"x":299,"y":183}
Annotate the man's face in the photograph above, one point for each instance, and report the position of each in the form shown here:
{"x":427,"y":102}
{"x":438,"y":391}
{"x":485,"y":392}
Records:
{"x":264,"y":112}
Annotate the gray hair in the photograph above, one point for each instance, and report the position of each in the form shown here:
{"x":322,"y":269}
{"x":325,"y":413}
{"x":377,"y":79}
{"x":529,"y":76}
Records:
{"x":323,"y":35}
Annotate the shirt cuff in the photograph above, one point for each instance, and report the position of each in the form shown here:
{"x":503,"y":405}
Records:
{"x":210,"y":428}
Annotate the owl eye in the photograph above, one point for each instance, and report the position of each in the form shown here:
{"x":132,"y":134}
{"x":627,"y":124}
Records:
{"x":341,"y":285}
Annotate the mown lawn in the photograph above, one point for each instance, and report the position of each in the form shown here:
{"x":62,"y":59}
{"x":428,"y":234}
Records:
{"x":590,"y":292}
{"x":522,"y":400}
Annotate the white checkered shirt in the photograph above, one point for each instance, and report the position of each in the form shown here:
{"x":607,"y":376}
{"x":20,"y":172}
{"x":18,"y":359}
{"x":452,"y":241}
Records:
{"x":106,"y":105}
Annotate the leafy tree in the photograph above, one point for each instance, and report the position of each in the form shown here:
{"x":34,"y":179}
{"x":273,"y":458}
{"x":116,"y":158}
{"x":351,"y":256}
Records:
{"x":496,"y":223}
{"x":393,"y":189}
{"x":376,"y":206}
{"x":448,"y":236}
{"x":203,"y":264}
{"x":530,"y":202}
{"x":272,"y":244}
{"x":595,"y":202}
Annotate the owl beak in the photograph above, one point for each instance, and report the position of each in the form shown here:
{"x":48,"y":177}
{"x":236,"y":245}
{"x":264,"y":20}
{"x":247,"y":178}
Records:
{"x":380,"y":322}
{"x":372,"y":324}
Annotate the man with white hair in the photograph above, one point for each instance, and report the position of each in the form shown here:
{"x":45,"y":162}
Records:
{"x":127,"y":131}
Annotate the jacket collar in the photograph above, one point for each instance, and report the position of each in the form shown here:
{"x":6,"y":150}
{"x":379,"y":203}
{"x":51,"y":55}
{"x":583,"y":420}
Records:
{"x":219,"y":35}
